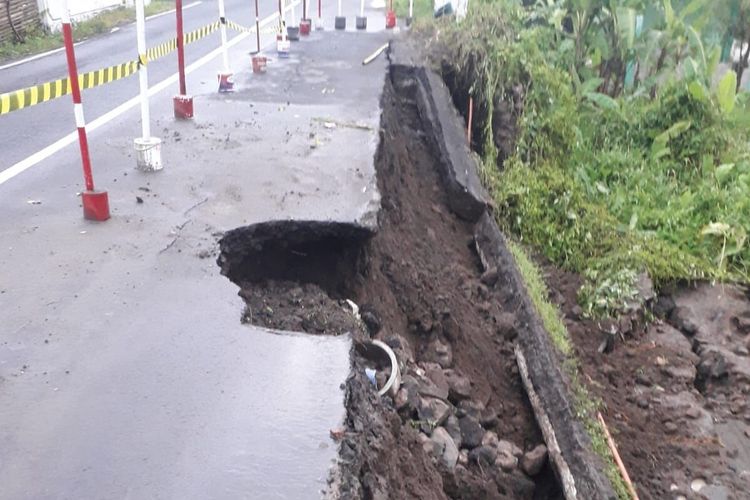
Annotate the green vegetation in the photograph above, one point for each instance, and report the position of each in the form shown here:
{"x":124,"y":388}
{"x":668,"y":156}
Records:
{"x":538,"y":293}
{"x":37,"y":41}
{"x":422,"y":9}
{"x":619,"y":165}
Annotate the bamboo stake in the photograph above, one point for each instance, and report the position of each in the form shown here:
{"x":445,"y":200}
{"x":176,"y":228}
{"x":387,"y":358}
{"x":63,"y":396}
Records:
{"x":618,"y":460}
{"x":471,"y":117}
{"x":567,"y":480}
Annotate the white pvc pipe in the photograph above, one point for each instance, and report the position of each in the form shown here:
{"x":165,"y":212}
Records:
{"x":395,"y":379}
{"x":223,"y":29}
{"x":411,"y":8}
{"x":339,"y":8}
{"x":140,"y":21}
{"x":361,"y":8}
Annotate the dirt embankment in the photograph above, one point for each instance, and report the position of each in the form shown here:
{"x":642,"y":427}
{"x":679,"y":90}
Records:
{"x":675,"y":389}
{"x":446,"y":319}
{"x":460,"y":425}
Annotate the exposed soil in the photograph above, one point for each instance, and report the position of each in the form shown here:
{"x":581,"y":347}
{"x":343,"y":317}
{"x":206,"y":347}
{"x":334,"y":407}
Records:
{"x":424,"y":282}
{"x":286,"y":305}
{"x":460,"y":425}
{"x":675,"y":390}
{"x":294,"y":275}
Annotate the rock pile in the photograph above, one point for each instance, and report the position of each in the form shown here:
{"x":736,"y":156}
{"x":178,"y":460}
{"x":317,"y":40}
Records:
{"x":459,"y":433}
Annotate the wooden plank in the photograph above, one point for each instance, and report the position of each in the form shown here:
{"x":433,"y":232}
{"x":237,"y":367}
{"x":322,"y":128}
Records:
{"x":23,"y":14}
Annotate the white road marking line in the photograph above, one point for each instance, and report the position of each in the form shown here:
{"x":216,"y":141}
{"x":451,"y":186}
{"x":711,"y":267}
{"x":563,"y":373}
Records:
{"x":53,"y":148}
{"x":38,"y":56}
{"x":184,"y":8}
{"x":114,"y":30}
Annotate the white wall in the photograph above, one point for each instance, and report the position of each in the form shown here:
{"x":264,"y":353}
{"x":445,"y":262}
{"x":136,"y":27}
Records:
{"x":51,"y":10}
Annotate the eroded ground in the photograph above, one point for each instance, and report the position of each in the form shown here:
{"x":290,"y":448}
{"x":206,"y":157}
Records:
{"x":675,"y":389}
{"x":460,"y":425}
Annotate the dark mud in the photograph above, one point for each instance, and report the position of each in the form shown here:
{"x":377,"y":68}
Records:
{"x":675,"y":390}
{"x":294,"y":275}
{"x":286,"y":305}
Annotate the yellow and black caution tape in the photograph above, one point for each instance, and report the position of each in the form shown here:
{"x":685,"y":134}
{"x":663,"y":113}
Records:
{"x":160,"y":50}
{"x":23,"y":98}
{"x":196,"y":35}
{"x":19,"y":99}
{"x":245,"y":29}
{"x":169,"y":46}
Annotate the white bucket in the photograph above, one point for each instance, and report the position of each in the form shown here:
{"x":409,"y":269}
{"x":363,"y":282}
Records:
{"x":282,"y":47}
{"x":148,"y":154}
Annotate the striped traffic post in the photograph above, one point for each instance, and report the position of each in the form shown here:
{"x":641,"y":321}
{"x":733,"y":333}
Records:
{"x":259,"y":61}
{"x":225,"y":76}
{"x":147,"y":148}
{"x":183,"y":103}
{"x":361,"y":20}
{"x":257,"y":27}
{"x":95,"y":203}
{"x":305,"y":23}
{"x":339,"y":22}
{"x":390,"y":16}
{"x":282,"y":41}
{"x":292,"y":28}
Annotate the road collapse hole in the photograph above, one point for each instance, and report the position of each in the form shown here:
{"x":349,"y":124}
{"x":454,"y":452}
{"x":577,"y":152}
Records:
{"x":295,"y":275}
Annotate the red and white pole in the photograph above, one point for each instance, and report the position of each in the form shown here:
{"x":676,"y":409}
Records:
{"x":282,"y":41}
{"x":305,"y":23}
{"x":390,"y":16}
{"x":361,"y":20}
{"x":95,"y":203}
{"x":257,"y":26}
{"x":339,"y":22}
{"x":225,"y":76}
{"x":147,"y":148}
{"x":183,"y":103}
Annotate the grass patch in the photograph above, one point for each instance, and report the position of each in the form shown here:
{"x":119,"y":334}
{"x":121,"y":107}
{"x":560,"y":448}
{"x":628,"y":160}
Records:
{"x":586,"y":404}
{"x":38,"y":41}
{"x":423,"y":9}
{"x":539,"y":293}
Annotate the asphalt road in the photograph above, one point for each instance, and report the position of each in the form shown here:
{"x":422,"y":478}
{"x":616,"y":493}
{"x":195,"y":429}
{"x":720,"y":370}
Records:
{"x":26,"y":131}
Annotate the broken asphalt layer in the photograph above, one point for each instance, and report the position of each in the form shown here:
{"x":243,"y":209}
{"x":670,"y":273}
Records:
{"x":124,"y":369}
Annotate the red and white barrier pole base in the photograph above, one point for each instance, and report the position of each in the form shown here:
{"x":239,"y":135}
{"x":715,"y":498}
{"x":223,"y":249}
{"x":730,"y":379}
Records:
{"x":305,"y":24}
{"x":390,"y":16}
{"x":183,"y":103}
{"x":183,"y":107}
{"x":95,"y":202}
{"x":361,"y":20}
{"x":226,"y":83}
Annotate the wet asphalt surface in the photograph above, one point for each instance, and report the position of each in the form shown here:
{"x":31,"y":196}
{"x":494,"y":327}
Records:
{"x":124,"y":369}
